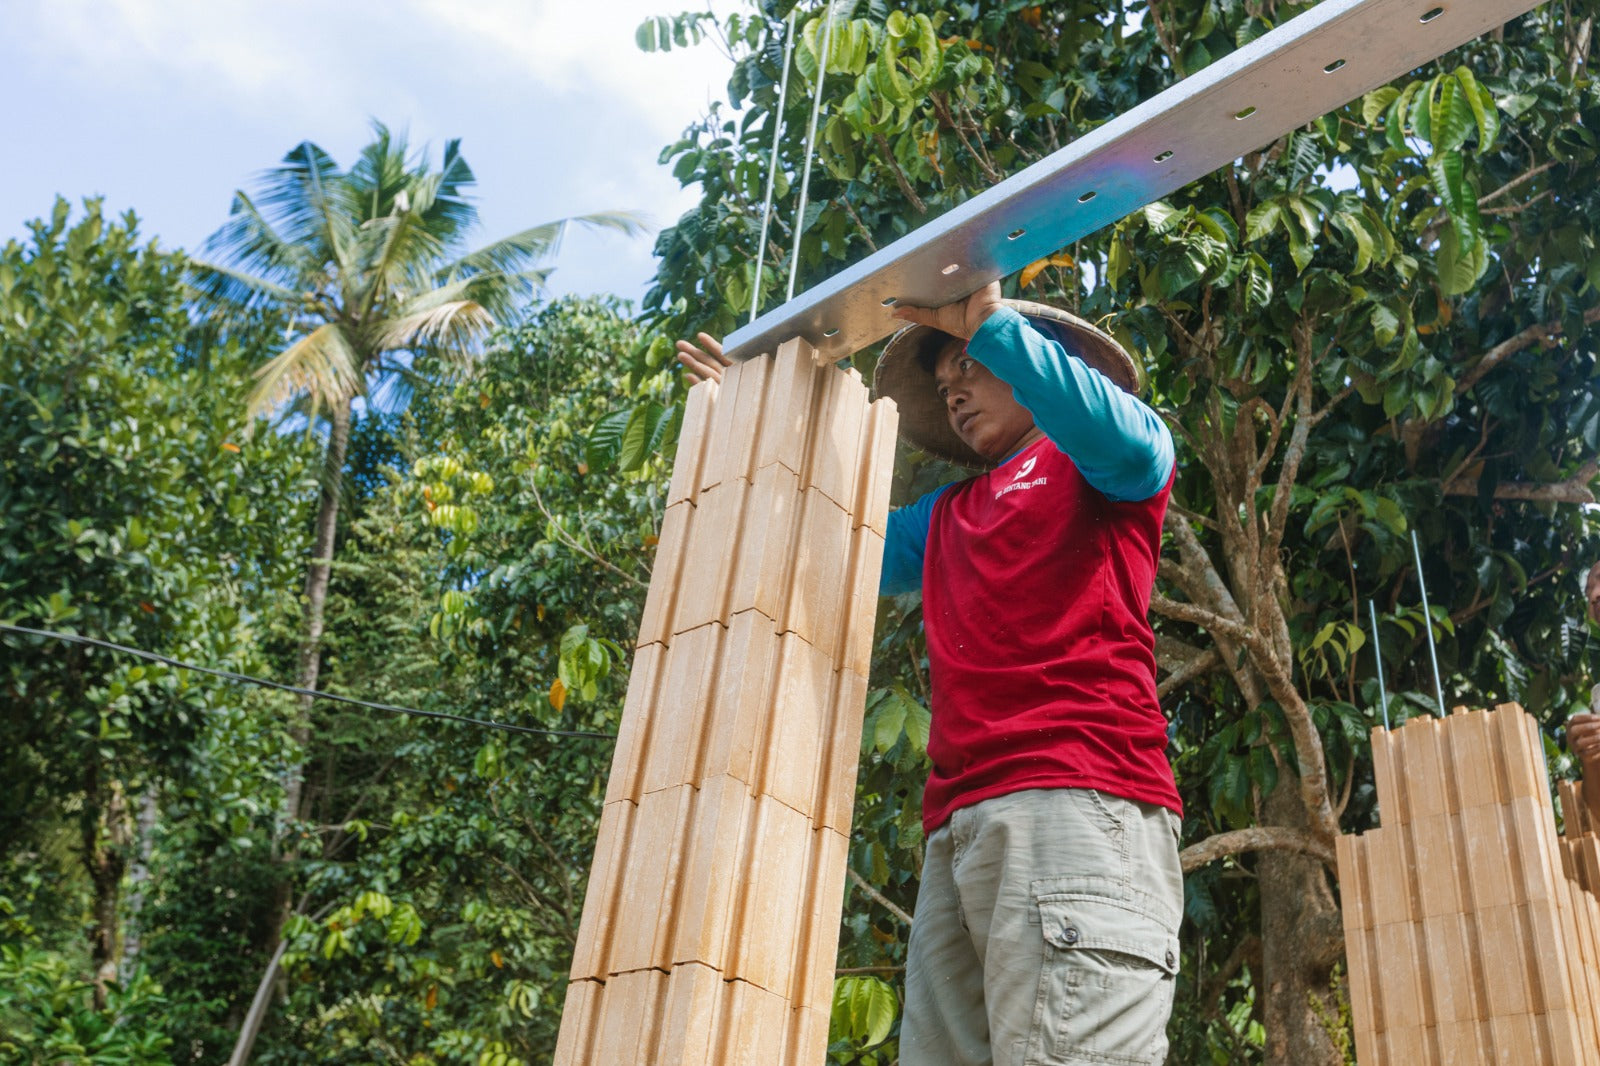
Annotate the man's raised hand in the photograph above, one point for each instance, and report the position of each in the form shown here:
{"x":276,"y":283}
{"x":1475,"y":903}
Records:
{"x":703,"y":361}
{"x":959,"y":319}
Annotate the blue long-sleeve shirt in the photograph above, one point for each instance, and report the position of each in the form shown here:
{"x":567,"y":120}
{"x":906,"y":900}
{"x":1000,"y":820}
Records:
{"x":1117,"y":442}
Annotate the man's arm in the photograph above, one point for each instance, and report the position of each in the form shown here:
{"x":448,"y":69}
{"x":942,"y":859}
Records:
{"x":1118,"y":443}
{"x":906,"y":544}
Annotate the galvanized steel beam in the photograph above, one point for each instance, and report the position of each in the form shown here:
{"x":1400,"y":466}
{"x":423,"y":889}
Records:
{"x":1305,"y":68}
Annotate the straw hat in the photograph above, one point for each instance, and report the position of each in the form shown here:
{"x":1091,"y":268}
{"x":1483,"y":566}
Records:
{"x":903,"y":376}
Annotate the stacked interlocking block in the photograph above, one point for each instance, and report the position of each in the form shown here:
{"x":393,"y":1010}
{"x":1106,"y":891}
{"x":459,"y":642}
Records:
{"x":711,"y":924}
{"x":1471,"y":928}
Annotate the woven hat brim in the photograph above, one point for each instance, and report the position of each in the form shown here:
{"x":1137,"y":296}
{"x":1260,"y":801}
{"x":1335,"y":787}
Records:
{"x":924,"y":421}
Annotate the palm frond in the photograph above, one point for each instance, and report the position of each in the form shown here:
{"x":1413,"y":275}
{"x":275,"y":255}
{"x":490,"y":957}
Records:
{"x":224,"y":290}
{"x":322,"y":366}
{"x":451,"y":328}
{"x":510,"y":254}
{"x":251,"y":241}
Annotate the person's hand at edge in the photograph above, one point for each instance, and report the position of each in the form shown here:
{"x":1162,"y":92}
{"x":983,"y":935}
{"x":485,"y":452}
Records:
{"x":702,"y":361}
{"x":959,"y":319}
{"x":1583,"y":737}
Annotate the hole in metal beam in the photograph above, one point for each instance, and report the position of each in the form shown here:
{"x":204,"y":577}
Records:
{"x":1014,"y":234}
{"x":834,"y":332}
{"x":951,"y":269}
{"x":1246,"y":113}
{"x":888,"y":301}
{"x":1431,"y":14}
{"x":1164,"y":156}
{"x":1086,"y":197}
{"x":1331,"y":67}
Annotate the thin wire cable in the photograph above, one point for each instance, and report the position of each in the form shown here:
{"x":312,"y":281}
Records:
{"x":811,"y":140}
{"x":93,"y":642}
{"x":1377,"y":653}
{"x":772,"y":166}
{"x":1427,"y":617}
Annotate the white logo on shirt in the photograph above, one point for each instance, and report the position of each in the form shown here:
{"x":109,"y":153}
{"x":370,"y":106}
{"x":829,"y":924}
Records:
{"x":1027,"y":468}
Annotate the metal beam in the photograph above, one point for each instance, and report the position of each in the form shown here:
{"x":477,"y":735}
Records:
{"x":1305,"y":68}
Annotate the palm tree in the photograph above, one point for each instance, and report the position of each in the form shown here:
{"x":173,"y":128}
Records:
{"x":371,"y":267}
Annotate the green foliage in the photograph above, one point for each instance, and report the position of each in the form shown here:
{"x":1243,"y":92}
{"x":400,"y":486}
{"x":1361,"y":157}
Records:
{"x":1383,"y":322}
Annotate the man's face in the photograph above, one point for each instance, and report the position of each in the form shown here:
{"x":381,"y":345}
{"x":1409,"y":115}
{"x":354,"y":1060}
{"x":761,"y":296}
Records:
{"x":980,"y":406}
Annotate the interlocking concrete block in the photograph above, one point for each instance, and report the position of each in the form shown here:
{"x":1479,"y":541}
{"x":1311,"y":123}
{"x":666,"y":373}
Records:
{"x":1521,"y":750}
{"x":1391,"y":900}
{"x":789,"y":417}
{"x":1464,"y":1042}
{"x":580,"y":1023}
{"x":871,"y":506}
{"x":1516,"y":1041}
{"x":742,"y":698}
{"x":715,"y":874}
{"x":660,"y":602}
{"x":817,"y":595}
{"x":758,"y":1027}
{"x":841,"y":752}
{"x":1350,"y":854}
{"x":638,"y":724}
{"x":648,"y":890}
{"x":1503,"y":946}
{"x":702,"y":576}
{"x":777,"y":862}
{"x":628,"y":1017}
{"x":818,"y":936}
{"x":808,"y":1036}
{"x":1398,"y":955}
{"x":839,"y":414}
{"x":681,"y":708}
{"x":792,"y":744}
{"x":1487,"y":873}
{"x":692,"y":438}
{"x":772,"y":543}
{"x":591,"y":952}
{"x":1424,"y":776}
{"x":1450,"y":968}
{"x":736,"y":422}
{"x":1563,"y":1032}
{"x":1389,"y":788}
{"x":1402,"y":1045}
{"x":692,"y":1018}
{"x":1437,"y":866}
{"x":1471,"y":750}
{"x":1531,"y":832}
{"x":1550,"y":973}
{"x":860,"y":616}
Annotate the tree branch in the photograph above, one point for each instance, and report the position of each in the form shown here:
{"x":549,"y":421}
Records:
{"x":878,"y":897}
{"x":1539,"y":331}
{"x":1256,"y":838}
{"x":1200,"y":665}
{"x":1575,"y":489}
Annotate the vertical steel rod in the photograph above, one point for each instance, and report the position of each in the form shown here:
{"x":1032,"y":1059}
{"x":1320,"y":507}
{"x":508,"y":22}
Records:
{"x":1377,"y":654}
{"x":772,"y":167}
{"x":811,"y":140}
{"x":1427,"y":617}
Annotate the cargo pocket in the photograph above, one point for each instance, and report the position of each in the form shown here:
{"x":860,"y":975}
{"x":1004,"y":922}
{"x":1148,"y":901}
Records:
{"x":1105,"y":989}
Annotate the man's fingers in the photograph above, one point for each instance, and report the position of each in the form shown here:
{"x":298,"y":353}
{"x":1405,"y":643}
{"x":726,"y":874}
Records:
{"x":712,"y":347}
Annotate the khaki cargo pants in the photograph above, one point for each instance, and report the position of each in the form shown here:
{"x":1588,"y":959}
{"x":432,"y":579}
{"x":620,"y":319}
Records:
{"x":1046,"y":934}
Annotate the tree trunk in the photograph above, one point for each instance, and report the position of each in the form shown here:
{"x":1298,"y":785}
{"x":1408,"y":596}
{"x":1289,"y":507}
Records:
{"x":318,"y":573}
{"x":105,"y":841}
{"x":1302,"y":939}
{"x":139,"y":883}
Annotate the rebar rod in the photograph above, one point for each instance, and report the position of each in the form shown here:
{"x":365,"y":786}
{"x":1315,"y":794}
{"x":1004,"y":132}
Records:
{"x":1377,"y":654}
{"x":772,"y":166}
{"x":811,"y":140}
{"x":1427,"y":617}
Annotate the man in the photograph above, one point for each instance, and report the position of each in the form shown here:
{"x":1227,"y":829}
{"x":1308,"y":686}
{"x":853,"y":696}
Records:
{"x":1046,"y":924}
{"x":1583,"y":730}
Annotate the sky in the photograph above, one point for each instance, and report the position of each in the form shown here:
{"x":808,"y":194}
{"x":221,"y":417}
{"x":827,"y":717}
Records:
{"x":168,"y":106}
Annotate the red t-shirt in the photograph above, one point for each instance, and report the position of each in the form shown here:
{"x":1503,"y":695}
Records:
{"x":1035,"y":595}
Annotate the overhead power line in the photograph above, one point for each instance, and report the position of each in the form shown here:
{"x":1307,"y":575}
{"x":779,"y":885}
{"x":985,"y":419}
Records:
{"x":93,"y":642}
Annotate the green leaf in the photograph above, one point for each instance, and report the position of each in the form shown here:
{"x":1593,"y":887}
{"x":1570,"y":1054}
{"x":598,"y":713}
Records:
{"x":604,"y":446}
